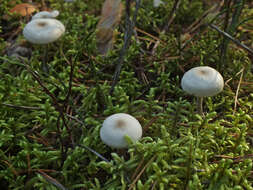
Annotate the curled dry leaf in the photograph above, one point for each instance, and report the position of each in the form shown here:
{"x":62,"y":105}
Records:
{"x":17,"y":51}
{"x":24,"y":9}
{"x":110,"y":18}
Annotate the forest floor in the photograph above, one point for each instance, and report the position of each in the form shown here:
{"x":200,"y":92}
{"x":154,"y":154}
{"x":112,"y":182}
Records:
{"x":126,"y":57}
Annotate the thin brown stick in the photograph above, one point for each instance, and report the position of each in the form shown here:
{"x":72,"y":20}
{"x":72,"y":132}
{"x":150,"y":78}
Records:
{"x":11,"y":167}
{"x":28,"y":164}
{"x":150,"y":35}
{"x":172,"y":15}
{"x":170,"y":20}
{"x":63,"y":155}
{"x":199,"y":22}
{"x":76,"y":119}
{"x":38,"y":108}
{"x":70,"y":80}
{"x":141,"y":172}
{"x":57,"y":106}
{"x":137,"y":169}
{"x":21,"y":107}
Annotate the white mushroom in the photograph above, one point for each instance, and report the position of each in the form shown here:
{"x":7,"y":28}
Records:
{"x":117,"y":126}
{"x":46,"y":14}
{"x":157,"y":3}
{"x":43,"y":30}
{"x":201,"y":82}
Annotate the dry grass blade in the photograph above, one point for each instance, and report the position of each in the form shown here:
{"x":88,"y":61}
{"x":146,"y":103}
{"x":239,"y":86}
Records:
{"x":237,"y":158}
{"x":169,"y":22}
{"x":141,"y":172}
{"x":172,"y":14}
{"x":21,"y":107}
{"x":52,"y":180}
{"x":237,"y":90}
{"x":212,"y":12}
{"x":137,"y":169}
{"x":150,"y":35}
{"x":11,"y":167}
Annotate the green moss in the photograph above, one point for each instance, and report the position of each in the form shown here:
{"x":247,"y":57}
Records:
{"x":179,"y":149}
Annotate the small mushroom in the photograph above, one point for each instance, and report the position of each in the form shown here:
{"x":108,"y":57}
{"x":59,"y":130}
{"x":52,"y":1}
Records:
{"x":157,"y":3}
{"x":202,"y":81}
{"x":117,"y":126}
{"x":46,"y":14}
{"x":43,"y":30}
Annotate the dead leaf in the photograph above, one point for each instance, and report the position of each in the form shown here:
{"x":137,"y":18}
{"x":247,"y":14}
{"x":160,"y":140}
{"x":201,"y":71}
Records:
{"x":110,"y":18}
{"x":17,"y":51}
{"x":24,"y":9}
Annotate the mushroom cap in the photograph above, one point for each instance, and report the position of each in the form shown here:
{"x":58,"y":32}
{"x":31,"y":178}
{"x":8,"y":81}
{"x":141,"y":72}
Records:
{"x":43,"y":30}
{"x":202,"y":81}
{"x":157,"y":3}
{"x":46,"y":14}
{"x":117,"y":126}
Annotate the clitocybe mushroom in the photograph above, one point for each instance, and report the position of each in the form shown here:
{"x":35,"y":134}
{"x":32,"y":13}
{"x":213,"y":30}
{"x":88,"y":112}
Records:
{"x":202,"y":81}
{"x":117,"y":126}
{"x":44,"y":29}
{"x":157,"y":3}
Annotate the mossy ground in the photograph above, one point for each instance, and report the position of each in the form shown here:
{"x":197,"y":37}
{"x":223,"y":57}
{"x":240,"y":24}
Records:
{"x":179,"y":149}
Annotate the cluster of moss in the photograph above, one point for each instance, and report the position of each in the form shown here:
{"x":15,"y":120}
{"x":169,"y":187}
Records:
{"x":179,"y":150}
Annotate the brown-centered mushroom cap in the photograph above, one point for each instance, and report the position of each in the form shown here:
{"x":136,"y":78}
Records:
{"x":117,"y":126}
{"x":202,"y":81}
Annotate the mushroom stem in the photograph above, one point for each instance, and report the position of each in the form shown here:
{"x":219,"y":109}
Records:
{"x":200,"y":105}
{"x":44,"y":61}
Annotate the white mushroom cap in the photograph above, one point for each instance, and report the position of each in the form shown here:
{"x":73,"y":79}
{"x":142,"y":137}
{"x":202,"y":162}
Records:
{"x":43,"y":30}
{"x":117,"y":126}
{"x":46,"y":14}
{"x":157,"y":3}
{"x":202,"y":81}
